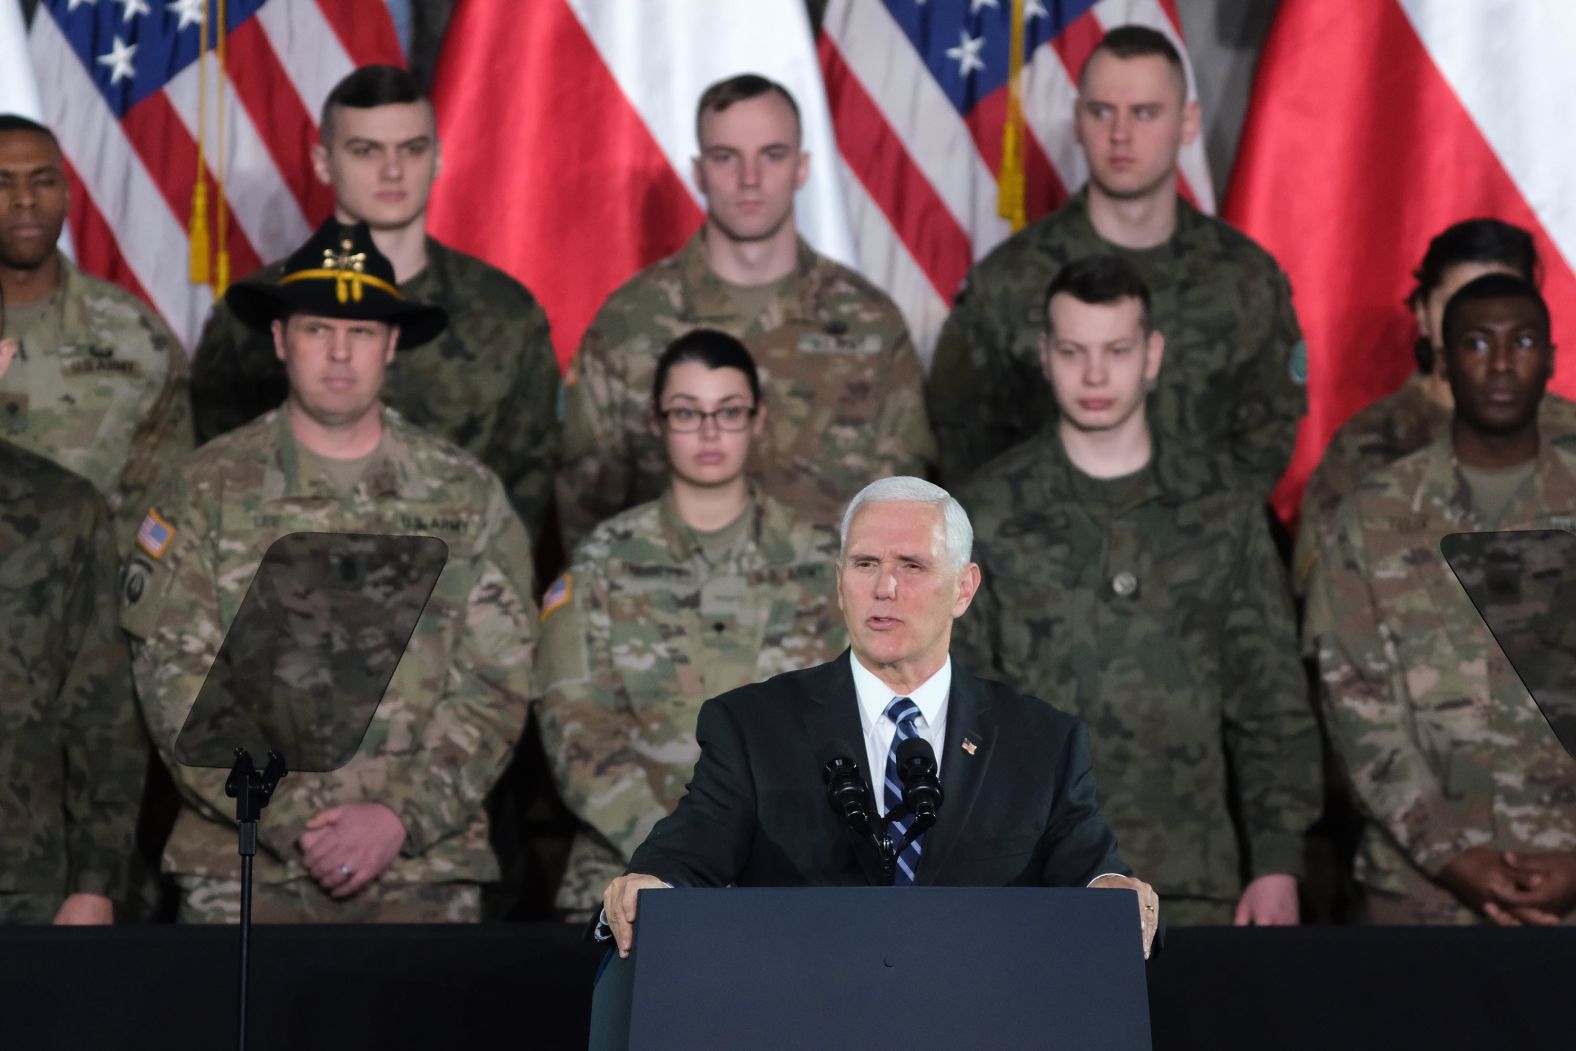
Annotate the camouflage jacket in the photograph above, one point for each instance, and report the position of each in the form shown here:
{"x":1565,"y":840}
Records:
{"x":842,"y":384}
{"x":1234,"y":365}
{"x":488,"y":383}
{"x":623,"y":671}
{"x":1392,"y":427}
{"x":1444,"y":746}
{"x":457,"y":704}
{"x":1164,"y":622}
{"x":72,"y":755}
{"x":99,"y":386}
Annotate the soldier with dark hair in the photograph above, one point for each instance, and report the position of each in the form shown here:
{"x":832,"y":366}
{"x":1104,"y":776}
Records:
{"x":1128,"y":579}
{"x":1410,"y":418}
{"x":488,"y":382}
{"x":1468,"y":791}
{"x":712,"y":586}
{"x":1236,"y":367}
{"x":399,"y":834}
{"x":838,"y":367}
{"x":94,"y":381}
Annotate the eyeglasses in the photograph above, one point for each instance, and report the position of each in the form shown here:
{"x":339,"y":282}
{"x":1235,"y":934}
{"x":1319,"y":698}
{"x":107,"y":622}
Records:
{"x":727,"y":418}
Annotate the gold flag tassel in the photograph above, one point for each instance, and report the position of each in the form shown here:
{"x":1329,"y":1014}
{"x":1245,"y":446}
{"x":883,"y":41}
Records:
{"x":1010,"y":192}
{"x":221,"y":214}
{"x":199,"y":246}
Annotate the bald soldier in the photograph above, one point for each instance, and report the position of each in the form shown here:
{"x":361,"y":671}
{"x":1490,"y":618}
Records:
{"x":399,"y":834}
{"x":837,"y":366}
{"x":1235,"y":363}
{"x":96,"y":382}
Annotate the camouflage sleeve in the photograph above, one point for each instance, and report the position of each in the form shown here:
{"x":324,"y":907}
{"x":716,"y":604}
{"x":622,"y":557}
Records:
{"x":1271,"y":396}
{"x":1270,"y":732}
{"x":162,"y":439}
{"x":439,"y":788}
{"x":595,"y":473}
{"x":903,"y":442}
{"x":972,"y":393}
{"x":586,"y":719}
{"x":1368,"y":713}
{"x":170,"y":608}
{"x":105,"y":751}
{"x":235,"y":376}
{"x":525,"y":447}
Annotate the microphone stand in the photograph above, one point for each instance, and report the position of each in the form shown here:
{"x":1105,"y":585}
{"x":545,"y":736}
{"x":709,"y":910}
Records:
{"x":251,"y":789}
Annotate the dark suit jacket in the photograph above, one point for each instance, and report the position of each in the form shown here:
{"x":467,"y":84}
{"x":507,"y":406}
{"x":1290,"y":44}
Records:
{"x":1019,"y":810}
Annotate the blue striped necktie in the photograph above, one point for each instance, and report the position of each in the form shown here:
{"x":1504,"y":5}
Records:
{"x":903,"y":712}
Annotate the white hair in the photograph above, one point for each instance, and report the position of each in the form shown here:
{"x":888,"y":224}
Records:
{"x":957,"y":533}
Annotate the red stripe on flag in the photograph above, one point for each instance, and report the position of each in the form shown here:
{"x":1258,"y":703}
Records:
{"x":169,"y":153}
{"x":575,"y":196}
{"x":97,"y":250}
{"x":1077,"y":42}
{"x":1347,"y":194}
{"x":985,"y":122}
{"x":879,"y":158}
{"x":281,"y":119}
{"x":366,"y":30}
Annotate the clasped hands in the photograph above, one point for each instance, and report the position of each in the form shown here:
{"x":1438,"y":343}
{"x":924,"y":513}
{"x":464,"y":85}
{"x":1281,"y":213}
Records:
{"x":1513,"y":888}
{"x":346,"y":847}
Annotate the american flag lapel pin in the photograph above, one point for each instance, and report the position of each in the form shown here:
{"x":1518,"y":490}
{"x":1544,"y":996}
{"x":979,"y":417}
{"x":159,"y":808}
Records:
{"x":969,"y":746}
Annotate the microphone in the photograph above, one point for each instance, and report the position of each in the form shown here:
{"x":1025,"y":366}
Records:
{"x":916,"y":769}
{"x":847,"y":791}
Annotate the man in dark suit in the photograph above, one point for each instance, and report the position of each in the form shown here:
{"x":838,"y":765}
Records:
{"x":1020,"y":804}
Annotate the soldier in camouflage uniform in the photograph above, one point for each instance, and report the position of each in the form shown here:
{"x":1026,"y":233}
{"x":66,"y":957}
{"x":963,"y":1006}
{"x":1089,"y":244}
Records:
{"x":96,"y":382}
{"x":712,"y":586}
{"x":1418,"y":413}
{"x":1236,"y":365}
{"x":1469,"y":793}
{"x":839,"y":370}
{"x":72,"y":756}
{"x":1129,"y":580}
{"x":488,"y":383}
{"x":400,"y":833}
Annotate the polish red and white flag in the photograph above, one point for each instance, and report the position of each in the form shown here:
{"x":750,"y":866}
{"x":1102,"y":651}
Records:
{"x":568,"y":130}
{"x":1373,"y":127}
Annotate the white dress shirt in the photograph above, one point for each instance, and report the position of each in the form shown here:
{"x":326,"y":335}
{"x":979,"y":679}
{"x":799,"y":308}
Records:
{"x":930,"y":697}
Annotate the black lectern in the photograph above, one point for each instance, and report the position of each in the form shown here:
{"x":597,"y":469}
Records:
{"x":870,"y":967}
{"x":302,"y":669}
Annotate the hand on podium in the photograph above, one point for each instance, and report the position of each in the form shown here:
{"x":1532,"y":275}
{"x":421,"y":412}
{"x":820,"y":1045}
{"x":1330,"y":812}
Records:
{"x":619,"y":901}
{"x":346,"y":847}
{"x":1148,"y":902}
{"x":84,"y":910}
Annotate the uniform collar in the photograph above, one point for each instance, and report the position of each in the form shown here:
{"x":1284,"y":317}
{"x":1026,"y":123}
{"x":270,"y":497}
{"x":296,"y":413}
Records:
{"x":766,"y":530}
{"x":704,"y":296}
{"x":1177,"y":476}
{"x":394,"y":473}
{"x":1442,"y":486}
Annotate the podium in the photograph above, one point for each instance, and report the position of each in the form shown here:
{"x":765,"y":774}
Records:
{"x":874,"y":967}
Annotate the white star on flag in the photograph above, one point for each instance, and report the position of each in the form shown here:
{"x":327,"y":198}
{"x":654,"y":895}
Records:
{"x":133,"y":9}
{"x":78,"y":3}
{"x":975,"y":5}
{"x":119,"y":60}
{"x":1033,"y":9}
{"x":189,"y":10}
{"x":966,"y":54}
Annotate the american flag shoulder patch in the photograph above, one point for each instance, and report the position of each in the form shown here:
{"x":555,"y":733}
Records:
{"x":557,"y":596}
{"x":155,"y":534}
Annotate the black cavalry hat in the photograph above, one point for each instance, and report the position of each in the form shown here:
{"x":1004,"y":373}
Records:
{"x":339,"y":273}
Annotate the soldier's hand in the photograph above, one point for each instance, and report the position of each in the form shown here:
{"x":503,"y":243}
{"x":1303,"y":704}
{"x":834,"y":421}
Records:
{"x":346,"y":847}
{"x":1148,"y":903}
{"x":619,"y":902}
{"x":1545,"y":884}
{"x":1481,"y":877}
{"x":85,"y":910}
{"x":1269,"y":901}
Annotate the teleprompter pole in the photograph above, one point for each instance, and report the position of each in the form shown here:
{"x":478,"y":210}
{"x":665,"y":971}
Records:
{"x":251,"y":789}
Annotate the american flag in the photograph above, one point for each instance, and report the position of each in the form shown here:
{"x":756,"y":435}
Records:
{"x":919,"y":97}
{"x":123,"y":88}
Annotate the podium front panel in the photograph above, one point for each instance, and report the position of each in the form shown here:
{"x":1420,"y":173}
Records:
{"x":873,"y":967}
